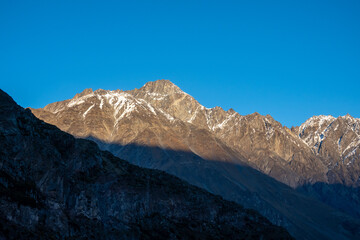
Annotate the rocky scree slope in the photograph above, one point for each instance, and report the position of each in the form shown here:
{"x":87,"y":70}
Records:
{"x":160,"y":126}
{"x":54,"y":186}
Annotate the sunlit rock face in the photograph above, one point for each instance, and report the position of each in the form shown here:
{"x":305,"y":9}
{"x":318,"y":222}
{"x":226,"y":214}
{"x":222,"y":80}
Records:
{"x":160,"y":126}
{"x":54,"y":186}
{"x":337,"y":142}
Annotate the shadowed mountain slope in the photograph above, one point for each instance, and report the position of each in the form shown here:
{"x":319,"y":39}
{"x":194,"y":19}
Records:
{"x":54,"y":186}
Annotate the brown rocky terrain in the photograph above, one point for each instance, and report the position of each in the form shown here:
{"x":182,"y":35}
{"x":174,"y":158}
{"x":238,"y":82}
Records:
{"x":54,"y":186}
{"x":337,"y":142}
{"x":160,"y":126}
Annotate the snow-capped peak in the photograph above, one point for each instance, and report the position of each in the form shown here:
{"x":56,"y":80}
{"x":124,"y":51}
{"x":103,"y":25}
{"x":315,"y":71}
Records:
{"x":317,"y":122}
{"x":119,"y":102}
{"x":319,"y":126}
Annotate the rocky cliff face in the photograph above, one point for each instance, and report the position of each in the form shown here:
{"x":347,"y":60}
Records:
{"x":337,"y":142}
{"x":54,"y":186}
{"x":160,"y":126}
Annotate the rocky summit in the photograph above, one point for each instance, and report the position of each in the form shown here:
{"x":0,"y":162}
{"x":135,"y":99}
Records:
{"x":54,"y":186}
{"x":295,"y":177}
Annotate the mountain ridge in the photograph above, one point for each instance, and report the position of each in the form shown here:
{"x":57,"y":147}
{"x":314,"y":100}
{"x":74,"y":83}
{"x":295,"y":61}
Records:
{"x":175,"y":104}
{"x":161,"y":115}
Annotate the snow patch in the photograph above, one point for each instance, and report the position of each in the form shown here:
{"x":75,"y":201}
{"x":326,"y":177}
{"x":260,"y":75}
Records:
{"x":84,"y":115}
{"x":148,"y":105}
{"x":222,"y":124}
{"x":80,"y":100}
{"x":317,"y":122}
{"x":168,"y":116}
{"x":269,"y":129}
{"x":157,"y":96}
{"x":101,"y":103}
{"x":352,"y":153}
{"x":194,"y":115}
{"x":354,"y":143}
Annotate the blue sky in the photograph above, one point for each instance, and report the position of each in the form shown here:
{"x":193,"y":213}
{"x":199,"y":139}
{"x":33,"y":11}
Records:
{"x":289,"y":59}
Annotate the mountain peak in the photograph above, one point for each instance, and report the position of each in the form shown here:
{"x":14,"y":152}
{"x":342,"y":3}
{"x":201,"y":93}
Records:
{"x":320,"y":119}
{"x":161,"y":87}
{"x":83,"y":93}
{"x":348,"y":116}
{"x":161,"y":82}
{"x":255,"y":115}
{"x":231,"y":111}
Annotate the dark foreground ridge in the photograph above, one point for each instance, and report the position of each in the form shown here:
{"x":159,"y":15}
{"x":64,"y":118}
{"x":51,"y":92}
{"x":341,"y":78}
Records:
{"x":53,"y":186}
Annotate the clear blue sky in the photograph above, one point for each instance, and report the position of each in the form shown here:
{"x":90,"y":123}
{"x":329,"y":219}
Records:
{"x":290,"y":59}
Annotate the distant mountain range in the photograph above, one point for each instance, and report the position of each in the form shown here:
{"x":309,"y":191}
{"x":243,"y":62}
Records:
{"x":305,"y":179}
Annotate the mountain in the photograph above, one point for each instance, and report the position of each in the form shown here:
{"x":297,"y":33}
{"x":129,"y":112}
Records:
{"x":115,"y":117}
{"x":251,"y":159}
{"x":54,"y":186}
{"x":337,"y":142}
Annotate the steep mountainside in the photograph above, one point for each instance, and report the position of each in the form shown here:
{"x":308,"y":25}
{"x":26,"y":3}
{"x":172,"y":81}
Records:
{"x":54,"y":186}
{"x":337,"y":142}
{"x":160,"y":126}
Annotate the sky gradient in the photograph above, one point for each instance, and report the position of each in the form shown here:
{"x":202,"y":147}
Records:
{"x":289,"y":59}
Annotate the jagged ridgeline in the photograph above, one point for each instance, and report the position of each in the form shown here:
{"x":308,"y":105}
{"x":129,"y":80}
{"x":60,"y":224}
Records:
{"x":313,"y":152}
{"x":54,"y":186}
{"x":295,"y":178}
